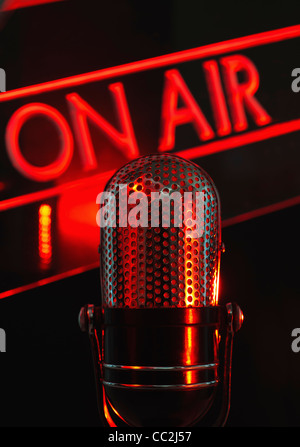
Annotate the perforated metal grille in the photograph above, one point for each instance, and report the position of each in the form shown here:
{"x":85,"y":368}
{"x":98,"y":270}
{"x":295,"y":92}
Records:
{"x":160,"y":266}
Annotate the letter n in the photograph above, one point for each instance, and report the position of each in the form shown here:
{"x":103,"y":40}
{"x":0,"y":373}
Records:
{"x":124,"y":140}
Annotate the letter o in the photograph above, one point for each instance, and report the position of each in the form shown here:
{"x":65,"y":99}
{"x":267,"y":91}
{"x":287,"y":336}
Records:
{"x":39,"y":173}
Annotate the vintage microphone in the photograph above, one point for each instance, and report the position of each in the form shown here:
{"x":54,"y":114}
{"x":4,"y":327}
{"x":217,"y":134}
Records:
{"x":161,"y":342}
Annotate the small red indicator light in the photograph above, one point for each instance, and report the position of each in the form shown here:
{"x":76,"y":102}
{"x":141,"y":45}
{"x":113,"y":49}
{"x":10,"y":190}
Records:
{"x":45,"y":244}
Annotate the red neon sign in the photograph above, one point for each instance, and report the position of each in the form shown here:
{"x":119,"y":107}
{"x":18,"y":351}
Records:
{"x":14,"y":126}
{"x":240,"y":97}
{"x":229,"y":108}
{"x":172,"y":116}
{"x":124,"y":140}
{"x":217,"y":98}
{"x":224,"y":111}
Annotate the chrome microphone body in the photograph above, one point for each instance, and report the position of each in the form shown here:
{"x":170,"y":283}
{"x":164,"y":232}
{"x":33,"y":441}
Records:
{"x":156,"y":337}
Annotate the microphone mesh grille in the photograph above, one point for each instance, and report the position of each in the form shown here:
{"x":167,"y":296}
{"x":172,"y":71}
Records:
{"x":160,"y":266}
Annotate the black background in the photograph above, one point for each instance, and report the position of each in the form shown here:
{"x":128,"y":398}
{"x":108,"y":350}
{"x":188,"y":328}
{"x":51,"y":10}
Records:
{"x":46,"y":373}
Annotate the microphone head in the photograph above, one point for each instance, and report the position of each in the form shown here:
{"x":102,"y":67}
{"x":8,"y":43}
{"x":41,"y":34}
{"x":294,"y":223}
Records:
{"x":160,"y":235}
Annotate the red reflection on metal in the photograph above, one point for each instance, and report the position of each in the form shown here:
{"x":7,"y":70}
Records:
{"x":188,"y":345}
{"x":124,"y":140}
{"x":241,"y":95}
{"x":106,"y":412}
{"x":14,"y":126}
{"x":173,"y":116}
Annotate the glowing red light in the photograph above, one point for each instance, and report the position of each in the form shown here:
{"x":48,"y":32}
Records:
{"x":45,"y":245}
{"x":241,"y":95}
{"x":173,"y":116}
{"x":9,"y":5}
{"x":81,"y":110}
{"x":217,"y":97}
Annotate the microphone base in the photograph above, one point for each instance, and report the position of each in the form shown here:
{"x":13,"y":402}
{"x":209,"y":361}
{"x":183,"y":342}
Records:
{"x":158,"y":408}
{"x":160,"y":367}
